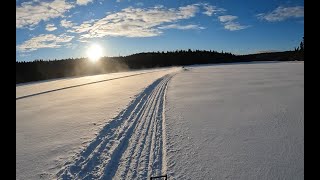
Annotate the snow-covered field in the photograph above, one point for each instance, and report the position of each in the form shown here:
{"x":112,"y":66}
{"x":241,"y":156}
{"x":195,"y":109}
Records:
{"x":240,"y":121}
{"x":27,"y":89}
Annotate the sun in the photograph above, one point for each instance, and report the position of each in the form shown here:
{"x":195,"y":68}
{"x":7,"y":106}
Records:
{"x":94,"y":52}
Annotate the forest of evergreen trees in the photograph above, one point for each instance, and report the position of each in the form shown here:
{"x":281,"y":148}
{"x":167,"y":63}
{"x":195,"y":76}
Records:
{"x":43,"y":70}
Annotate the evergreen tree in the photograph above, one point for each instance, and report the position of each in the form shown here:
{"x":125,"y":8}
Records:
{"x":302,"y":45}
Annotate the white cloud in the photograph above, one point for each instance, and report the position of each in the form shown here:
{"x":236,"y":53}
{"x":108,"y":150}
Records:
{"x":135,"y":22}
{"x":83,"y":2}
{"x":24,"y":55}
{"x":84,"y":27}
{"x":211,"y":9}
{"x":181,"y":27}
{"x":227,"y":18}
{"x":282,"y":13}
{"x":29,"y":14}
{"x":50,"y":27}
{"x":186,"y":12}
{"x":229,"y":23}
{"x":234,"y":26}
{"x":66,"y":24}
{"x":44,"y":41}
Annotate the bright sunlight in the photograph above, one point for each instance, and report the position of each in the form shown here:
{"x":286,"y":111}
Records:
{"x":94,"y":52}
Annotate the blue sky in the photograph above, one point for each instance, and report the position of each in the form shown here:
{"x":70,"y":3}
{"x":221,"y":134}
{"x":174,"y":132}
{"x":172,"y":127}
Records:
{"x":56,"y":29}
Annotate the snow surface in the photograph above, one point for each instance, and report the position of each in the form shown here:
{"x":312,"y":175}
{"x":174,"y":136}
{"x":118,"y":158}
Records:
{"x":30,"y":88}
{"x":241,"y":121}
{"x":227,"y":121}
{"x":52,"y":127}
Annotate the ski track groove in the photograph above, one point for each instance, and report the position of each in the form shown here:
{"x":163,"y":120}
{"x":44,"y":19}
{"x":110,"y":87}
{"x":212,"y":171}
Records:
{"x":137,"y":153}
{"x":131,"y":146}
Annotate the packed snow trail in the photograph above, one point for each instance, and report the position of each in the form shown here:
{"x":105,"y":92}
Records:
{"x":131,"y":146}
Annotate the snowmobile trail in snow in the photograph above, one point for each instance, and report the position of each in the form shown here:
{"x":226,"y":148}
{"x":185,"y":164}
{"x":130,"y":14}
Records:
{"x":130,"y":146}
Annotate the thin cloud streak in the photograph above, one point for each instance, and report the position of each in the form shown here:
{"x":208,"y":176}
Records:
{"x":282,"y":13}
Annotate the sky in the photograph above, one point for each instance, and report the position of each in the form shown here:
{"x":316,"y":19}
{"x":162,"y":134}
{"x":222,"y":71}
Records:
{"x":58,"y":29}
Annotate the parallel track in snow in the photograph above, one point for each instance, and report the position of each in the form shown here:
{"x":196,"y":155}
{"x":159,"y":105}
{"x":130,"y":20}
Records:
{"x":131,"y":146}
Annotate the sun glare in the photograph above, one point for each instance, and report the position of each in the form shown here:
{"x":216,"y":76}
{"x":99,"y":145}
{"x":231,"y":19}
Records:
{"x":94,"y":52}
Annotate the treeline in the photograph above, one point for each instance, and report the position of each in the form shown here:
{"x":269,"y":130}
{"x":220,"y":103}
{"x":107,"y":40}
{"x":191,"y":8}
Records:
{"x":296,"y":55}
{"x":43,"y":70}
{"x":276,"y":56}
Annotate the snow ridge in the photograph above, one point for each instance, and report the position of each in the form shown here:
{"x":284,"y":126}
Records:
{"x":131,"y":146}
